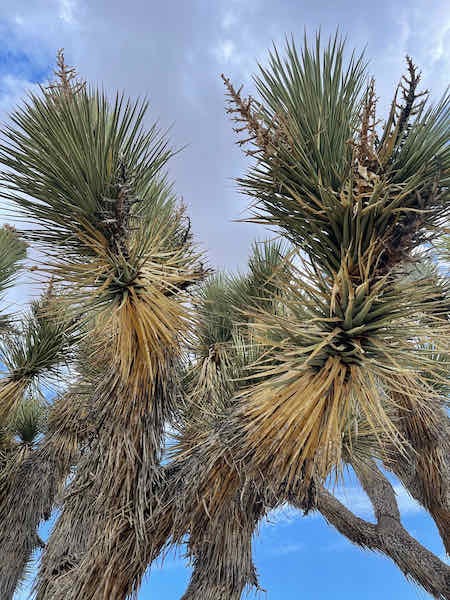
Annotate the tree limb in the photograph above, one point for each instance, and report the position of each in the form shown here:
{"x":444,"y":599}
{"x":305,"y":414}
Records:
{"x":387,"y":536}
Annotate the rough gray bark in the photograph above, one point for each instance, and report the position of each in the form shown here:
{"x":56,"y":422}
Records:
{"x":28,"y":495}
{"x":387,"y":535}
{"x":223,"y":562}
{"x":84,"y":557}
{"x":27,"y":502}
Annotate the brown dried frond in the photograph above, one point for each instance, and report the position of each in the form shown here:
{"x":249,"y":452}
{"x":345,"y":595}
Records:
{"x":29,"y":491}
{"x":366,"y":153}
{"x":408,"y":87}
{"x":210,"y":498}
{"x":67,"y":80}
{"x":246,"y":114}
{"x":108,"y":501}
{"x":12,"y":389}
{"x":222,"y":555}
{"x":50,"y":291}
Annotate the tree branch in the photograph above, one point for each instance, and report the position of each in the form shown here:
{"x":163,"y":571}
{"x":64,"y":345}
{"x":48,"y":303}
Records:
{"x":360,"y":532}
{"x":380,"y":492}
{"x":387,"y":536}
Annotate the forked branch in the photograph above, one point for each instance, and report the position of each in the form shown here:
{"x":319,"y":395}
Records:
{"x":387,"y":535}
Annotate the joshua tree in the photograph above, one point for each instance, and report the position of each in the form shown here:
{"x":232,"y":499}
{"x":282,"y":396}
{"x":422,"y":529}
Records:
{"x":34,"y":352}
{"x":331,"y":351}
{"x":209,"y":494}
{"x":351,"y":364}
{"x":115,"y":239}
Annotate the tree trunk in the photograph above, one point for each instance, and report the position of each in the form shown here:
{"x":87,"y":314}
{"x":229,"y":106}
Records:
{"x":100,"y":545}
{"x":223,"y":562}
{"x":32,"y":490}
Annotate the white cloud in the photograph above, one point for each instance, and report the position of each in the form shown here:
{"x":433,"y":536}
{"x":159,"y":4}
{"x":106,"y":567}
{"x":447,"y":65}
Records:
{"x":12,"y":91}
{"x":282,"y":515}
{"x":438,"y":50}
{"x":67,"y":11}
{"x":228,"y":19}
{"x":407,"y":504}
{"x":176,"y":62}
{"x":225,"y":51}
{"x":354,"y":498}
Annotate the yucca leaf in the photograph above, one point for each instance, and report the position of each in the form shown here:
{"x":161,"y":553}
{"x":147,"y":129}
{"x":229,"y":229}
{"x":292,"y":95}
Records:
{"x":37,"y":351}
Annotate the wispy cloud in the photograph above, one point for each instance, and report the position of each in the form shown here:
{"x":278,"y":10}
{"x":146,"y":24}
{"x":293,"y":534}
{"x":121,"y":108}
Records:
{"x":12,"y":90}
{"x":229,"y":19}
{"x":282,"y":515}
{"x":67,"y":11}
{"x":225,"y":51}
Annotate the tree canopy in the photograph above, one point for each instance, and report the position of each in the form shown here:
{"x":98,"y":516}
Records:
{"x":157,"y":403}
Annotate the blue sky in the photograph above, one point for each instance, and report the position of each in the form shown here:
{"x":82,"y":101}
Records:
{"x":173,"y":52}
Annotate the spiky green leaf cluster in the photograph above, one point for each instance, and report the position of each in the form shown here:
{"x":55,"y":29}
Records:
{"x":224,"y":349}
{"x":66,"y":152}
{"x":36,"y":352}
{"x":325,"y":174}
{"x":29,"y":420}
{"x":43,"y":343}
{"x":89,"y":174}
{"x":356,"y":200}
{"x":12,"y":252}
